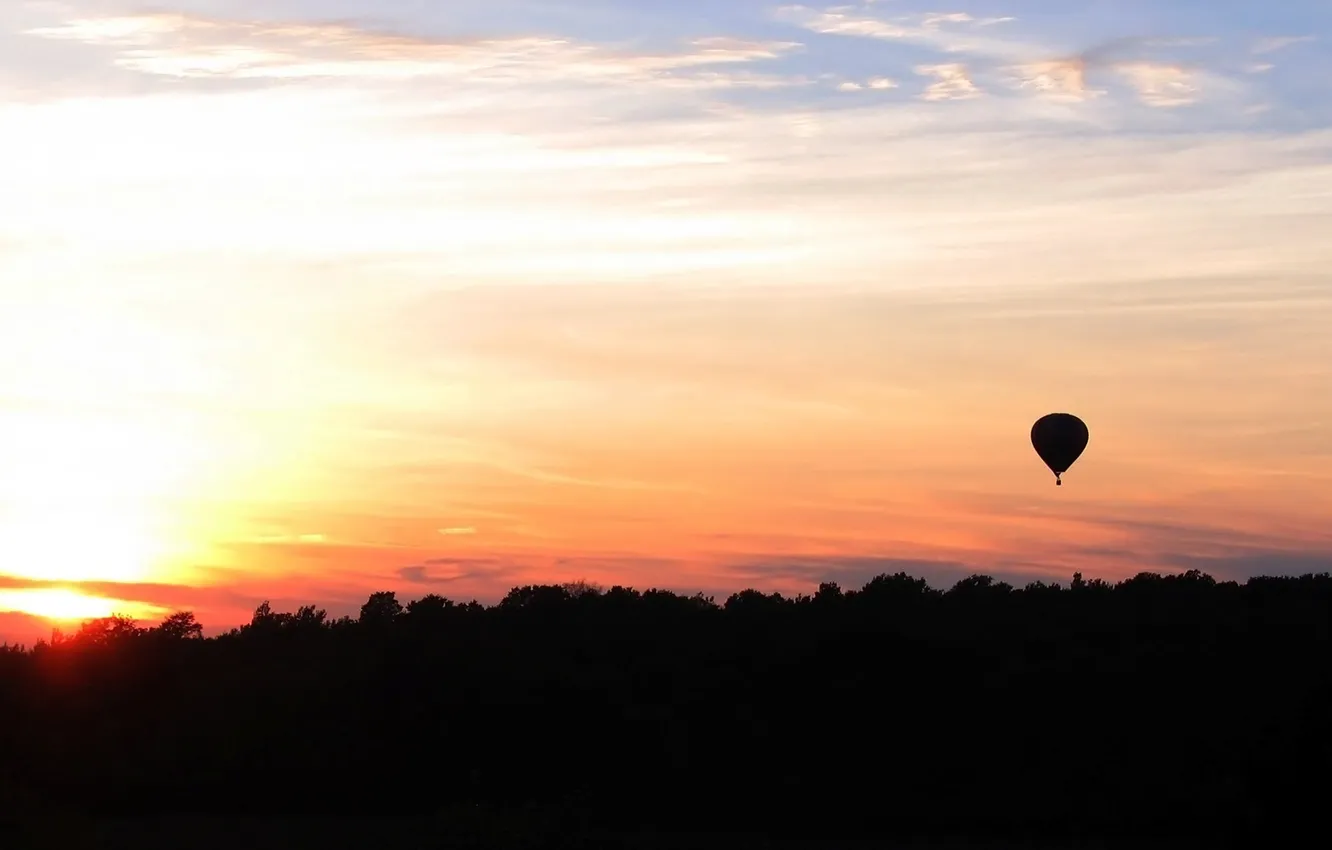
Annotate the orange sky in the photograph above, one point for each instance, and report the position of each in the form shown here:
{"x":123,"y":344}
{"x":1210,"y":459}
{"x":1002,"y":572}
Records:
{"x":305,"y":341}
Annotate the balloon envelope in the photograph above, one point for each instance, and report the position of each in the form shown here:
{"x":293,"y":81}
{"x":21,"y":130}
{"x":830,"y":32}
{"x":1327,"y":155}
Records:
{"x":1060,"y":440}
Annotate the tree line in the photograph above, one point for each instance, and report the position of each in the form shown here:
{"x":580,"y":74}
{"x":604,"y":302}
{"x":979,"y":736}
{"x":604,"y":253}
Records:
{"x":1162,"y":704}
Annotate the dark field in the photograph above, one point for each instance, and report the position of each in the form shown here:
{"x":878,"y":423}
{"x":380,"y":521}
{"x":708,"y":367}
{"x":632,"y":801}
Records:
{"x":1171,"y":709}
{"x":466,"y":831}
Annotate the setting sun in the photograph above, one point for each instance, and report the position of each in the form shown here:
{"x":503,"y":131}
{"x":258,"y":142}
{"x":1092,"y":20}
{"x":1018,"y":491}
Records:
{"x":82,"y":500}
{"x":93,"y":471}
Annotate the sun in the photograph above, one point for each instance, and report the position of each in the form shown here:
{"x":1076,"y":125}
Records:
{"x":124,"y":444}
{"x":86,"y":498}
{"x":80,"y":543}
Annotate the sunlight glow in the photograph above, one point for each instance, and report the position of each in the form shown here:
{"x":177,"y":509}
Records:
{"x":69,"y":605}
{"x":99,"y":450}
{"x":86,"y":498}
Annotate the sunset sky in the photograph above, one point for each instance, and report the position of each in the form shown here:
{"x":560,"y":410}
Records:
{"x":303,"y":299}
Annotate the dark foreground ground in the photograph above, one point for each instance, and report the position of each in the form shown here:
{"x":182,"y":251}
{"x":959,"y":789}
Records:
{"x":493,"y":830}
{"x":1163,"y":708}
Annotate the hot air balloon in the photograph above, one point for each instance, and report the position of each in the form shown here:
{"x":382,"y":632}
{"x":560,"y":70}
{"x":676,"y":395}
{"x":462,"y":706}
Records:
{"x":1060,"y":440}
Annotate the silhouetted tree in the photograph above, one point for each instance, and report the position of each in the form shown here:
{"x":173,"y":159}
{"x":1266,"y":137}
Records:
{"x":265,"y":620}
{"x":429,"y":606}
{"x":107,"y":630}
{"x":829,"y":593}
{"x":381,"y":609}
{"x":1161,"y":704}
{"x":180,"y":626}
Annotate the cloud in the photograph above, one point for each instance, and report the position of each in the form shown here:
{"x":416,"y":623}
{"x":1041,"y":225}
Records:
{"x":460,"y":570}
{"x":599,"y":563}
{"x":840,"y":21}
{"x":1065,"y":78}
{"x":649,"y":344}
{"x":953,"y":82}
{"x":873,"y":84}
{"x":459,"y":531}
{"x":185,"y":46}
{"x":1160,"y":84}
{"x":948,"y":32}
{"x":1275,"y":43}
{"x":288,"y":539}
{"x":170,"y":596}
{"x":1156,"y":83}
{"x":933,"y":20}
{"x":1170,"y":537}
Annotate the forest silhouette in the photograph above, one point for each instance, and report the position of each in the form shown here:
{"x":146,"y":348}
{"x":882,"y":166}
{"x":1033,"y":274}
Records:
{"x":1161,"y":705}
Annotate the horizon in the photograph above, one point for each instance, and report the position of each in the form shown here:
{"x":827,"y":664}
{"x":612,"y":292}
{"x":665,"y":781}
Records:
{"x":76,"y":631}
{"x":300,"y":302}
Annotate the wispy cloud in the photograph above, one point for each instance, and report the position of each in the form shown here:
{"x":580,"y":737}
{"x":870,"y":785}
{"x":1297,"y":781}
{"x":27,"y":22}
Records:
{"x":952,"y":82}
{"x":950,"y":32}
{"x":180,"y":45}
{"x":289,"y":539}
{"x":443,"y":571}
{"x":1034,"y":66}
{"x":1057,"y":77}
{"x":1161,"y":85}
{"x":872,"y":84}
{"x":1274,"y":43}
